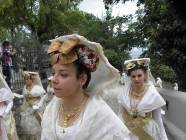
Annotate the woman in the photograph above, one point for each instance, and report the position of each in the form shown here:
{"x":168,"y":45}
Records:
{"x":141,"y":103}
{"x":7,"y":122}
{"x":50,"y":90}
{"x":77,"y":112}
{"x":30,"y":122}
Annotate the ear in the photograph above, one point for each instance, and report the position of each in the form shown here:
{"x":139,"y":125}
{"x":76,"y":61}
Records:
{"x":83,"y":79}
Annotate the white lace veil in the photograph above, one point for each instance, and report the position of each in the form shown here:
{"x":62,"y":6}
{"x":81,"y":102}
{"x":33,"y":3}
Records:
{"x":5,"y":92}
{"x":105,"y":75}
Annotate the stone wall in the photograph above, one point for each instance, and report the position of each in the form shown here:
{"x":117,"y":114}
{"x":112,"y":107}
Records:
{"x":175,"y":113}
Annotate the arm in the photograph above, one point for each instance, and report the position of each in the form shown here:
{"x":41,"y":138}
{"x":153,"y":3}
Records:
{"x":9,"y":107}
{"x":19,"y":96}
{"x":157,"y":117}
{"x":40,"y":103}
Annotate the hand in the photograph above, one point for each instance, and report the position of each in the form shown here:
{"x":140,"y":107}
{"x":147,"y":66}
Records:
{"x":35,"y":107}
{"x":18,"y":96}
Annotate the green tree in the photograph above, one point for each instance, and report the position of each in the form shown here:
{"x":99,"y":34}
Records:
{"x":45,"y":19}
{"x":161,"y":29}
{"x":166,"y":33}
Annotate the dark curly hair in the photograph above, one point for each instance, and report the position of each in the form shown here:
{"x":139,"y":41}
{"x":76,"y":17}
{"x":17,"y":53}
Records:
{"x":143,"y":68}
{"x":6,"y":43}
{"x":81,"y":69}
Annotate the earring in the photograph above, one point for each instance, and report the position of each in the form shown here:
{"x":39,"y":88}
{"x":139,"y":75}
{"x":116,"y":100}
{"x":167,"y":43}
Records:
{"x":81,"y":87}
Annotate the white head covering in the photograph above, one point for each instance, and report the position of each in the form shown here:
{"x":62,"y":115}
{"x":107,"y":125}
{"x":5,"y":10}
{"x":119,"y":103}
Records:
{"x":36,"y":80}
{"x":145,"y":62}
{"x":5,"y":92}
{"x":105,"y":75}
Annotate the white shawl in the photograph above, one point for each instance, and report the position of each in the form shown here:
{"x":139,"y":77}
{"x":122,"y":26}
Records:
{"x":152,"y":99}
{"x":98,"y":122}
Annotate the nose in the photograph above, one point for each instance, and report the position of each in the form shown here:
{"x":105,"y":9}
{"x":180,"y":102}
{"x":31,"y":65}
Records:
{"x":54,"y":78}
{"x":136,"y":78}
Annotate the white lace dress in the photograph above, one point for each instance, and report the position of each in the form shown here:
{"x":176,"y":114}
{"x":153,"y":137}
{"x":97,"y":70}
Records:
{"x":151,"y":102}
{"x":68,"y":133}
{"x":97,"y":122}
{"x":30,"y":119}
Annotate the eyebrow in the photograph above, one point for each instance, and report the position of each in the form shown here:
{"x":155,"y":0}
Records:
{"x":61,"y":70}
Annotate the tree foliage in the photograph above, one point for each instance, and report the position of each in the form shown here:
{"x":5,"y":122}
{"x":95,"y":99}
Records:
{"x":23,"y":20}
{"x":46,"y":19}
{"x":166,"y":32}
{"x":161,"y":27}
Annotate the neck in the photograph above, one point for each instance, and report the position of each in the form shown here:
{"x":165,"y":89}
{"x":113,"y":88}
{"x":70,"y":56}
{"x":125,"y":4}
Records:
{"x":138,"y":88}
{"x":73,"y":101}
{"x":29,"y":86}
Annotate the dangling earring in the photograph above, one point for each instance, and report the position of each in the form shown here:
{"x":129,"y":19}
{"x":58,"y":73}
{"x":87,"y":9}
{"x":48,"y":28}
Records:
{"x":81,"y":87}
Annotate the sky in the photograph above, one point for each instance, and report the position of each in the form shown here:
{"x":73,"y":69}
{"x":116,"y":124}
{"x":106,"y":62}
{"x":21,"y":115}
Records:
{"x":96,"y":7}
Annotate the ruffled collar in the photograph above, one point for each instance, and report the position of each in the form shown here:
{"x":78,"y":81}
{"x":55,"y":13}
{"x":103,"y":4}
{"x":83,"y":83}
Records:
{"x":151,"y":100}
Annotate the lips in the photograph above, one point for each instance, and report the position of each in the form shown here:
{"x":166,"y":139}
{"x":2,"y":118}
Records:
{"x":57,"y":89}
{"x":137,"y":82}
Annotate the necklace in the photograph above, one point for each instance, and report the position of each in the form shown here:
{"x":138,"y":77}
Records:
{"x":72,"y":114}
{"x":140,"y":93}
{"x":135,"y":102}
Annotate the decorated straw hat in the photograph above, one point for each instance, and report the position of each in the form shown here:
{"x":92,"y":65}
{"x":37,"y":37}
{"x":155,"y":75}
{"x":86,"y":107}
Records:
{"x":70,"y":48}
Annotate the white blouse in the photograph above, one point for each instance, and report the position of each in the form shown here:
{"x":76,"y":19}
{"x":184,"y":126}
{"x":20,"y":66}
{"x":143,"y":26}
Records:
{"x":96,"y":122}
{"x":151,"y":102}
{"x":68,"y":133}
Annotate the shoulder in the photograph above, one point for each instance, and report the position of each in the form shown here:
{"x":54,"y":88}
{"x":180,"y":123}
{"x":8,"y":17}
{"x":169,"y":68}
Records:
{"x":50,"y":111}
{"x":103,"y":116}
{"x":153,"y":98}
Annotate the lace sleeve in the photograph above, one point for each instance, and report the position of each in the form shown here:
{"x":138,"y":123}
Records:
{"x":158,"y":118}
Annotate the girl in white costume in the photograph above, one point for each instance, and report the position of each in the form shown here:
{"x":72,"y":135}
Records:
{"x":77,"y":111}
{"x":31,"y":115}
{"x":50,"y":90}
{"x":141,"y":103}
{"x":7,"y":122}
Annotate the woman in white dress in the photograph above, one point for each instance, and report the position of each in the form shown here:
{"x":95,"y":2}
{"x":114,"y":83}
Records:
{"x":50,"y":90}
{"x":80,"y":74}
{"x":7,"y":122}
{"x":141,"y":103}
{"x":31,"y":115}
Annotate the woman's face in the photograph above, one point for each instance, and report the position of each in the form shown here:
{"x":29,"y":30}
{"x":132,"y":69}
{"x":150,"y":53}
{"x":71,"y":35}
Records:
{"x":65,"y":83}
{"x":28,"y":81}
{"x":138,"y":77}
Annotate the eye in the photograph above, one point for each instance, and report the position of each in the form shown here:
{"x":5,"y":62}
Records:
{"x":53,"y":73}
{"x":139,"y":75}
{"x":133,"y":76}
{"x":64,"y":74}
